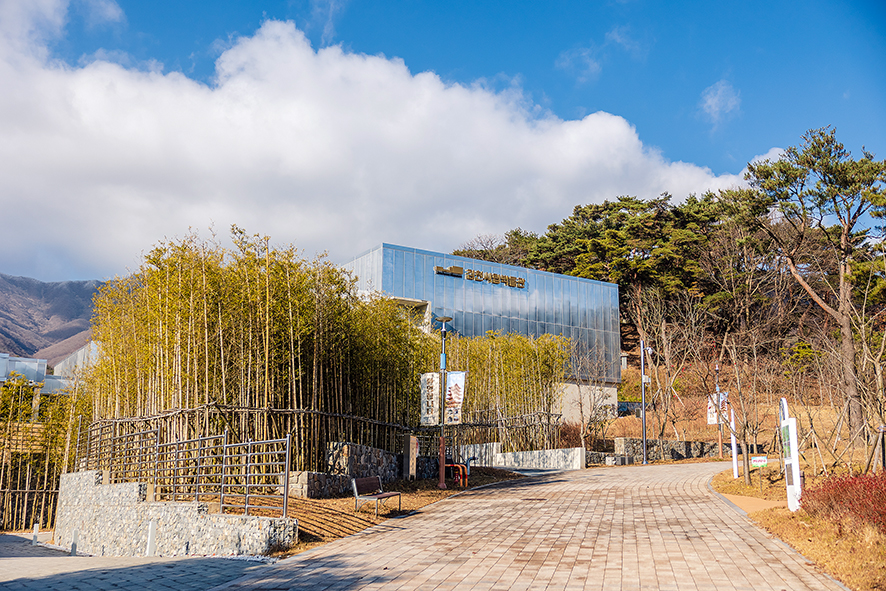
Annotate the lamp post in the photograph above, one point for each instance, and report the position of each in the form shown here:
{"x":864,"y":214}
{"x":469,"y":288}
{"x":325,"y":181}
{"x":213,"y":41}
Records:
{"x":443,"y":320}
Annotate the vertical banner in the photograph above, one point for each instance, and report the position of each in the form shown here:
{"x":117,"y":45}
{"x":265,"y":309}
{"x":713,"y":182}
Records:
{"x":791,"y":456}
{"x":430,"y":399}
{"x":713,"y":415}
{"x":455,"y":394}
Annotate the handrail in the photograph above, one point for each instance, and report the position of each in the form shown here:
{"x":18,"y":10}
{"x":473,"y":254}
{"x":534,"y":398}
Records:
{"x":204,"y":468}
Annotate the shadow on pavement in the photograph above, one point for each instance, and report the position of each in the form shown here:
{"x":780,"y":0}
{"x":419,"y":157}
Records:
{"x":191,"y":574}
{"x":19,"y":546}
{"x":335,"y":571}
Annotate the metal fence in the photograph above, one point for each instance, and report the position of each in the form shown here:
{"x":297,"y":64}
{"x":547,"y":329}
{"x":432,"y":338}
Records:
{"x":241,"y":477}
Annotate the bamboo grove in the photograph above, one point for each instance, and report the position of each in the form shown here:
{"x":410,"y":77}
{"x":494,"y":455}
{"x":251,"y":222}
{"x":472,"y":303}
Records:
{"x":256,"y":327}
{"x":259,"y":340}
{"x":37,"y":444}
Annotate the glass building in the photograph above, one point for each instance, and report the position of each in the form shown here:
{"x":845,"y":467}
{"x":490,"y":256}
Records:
{"x":481,"y":296}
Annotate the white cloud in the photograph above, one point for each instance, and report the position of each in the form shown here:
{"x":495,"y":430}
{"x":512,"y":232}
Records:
{"x":101,"y":12}
{"x":719,"y":101}
{"x":586,"y":63}
{"x":325,"y":149}
{"x":325,"y":12}
{"x":580,"y":62}
{"x":772,"y":155}
{"x":622,"y":36}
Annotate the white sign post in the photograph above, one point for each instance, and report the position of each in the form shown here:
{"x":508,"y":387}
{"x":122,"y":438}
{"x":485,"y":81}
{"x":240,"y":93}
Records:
{"x":791,"y":456}
{"x":734,"y":444}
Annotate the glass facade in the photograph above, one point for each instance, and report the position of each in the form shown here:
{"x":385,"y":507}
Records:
{"x":481,"y":296}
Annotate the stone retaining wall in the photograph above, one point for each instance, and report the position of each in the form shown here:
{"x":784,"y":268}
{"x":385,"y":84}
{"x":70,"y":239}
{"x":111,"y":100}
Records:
{"x":344,"y":461}
{"x":360,"y":461}
{"x":318,"y":485}
{"x":658,"y":449}
{"x":427,"y":467}
{"x":113,"y":520}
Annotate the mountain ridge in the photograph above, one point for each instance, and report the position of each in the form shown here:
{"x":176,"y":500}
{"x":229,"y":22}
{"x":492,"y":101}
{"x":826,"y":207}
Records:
{"x":47,"y":320}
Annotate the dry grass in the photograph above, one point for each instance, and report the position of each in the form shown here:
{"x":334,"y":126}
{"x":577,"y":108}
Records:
{"x":855,"y":556}
{"x":323,"y":520}
{"x":773,"y":488}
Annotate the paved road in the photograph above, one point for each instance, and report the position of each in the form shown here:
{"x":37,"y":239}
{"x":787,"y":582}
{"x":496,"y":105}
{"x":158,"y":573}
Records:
{"x":625,"y":528}
{"x":23,"y":566}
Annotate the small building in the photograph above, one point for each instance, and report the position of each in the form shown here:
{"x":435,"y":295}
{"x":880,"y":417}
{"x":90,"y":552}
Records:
{"x":481,"y":296}
{"x":33,"y":369}
{"x":84,"y":357}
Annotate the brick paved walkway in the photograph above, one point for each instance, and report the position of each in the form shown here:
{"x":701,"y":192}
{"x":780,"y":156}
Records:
{"x":23,"y":566}
{"x":626,"y":528}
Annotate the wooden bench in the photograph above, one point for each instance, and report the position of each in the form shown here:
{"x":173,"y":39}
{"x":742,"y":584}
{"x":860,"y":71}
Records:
{"x":369,"y":489}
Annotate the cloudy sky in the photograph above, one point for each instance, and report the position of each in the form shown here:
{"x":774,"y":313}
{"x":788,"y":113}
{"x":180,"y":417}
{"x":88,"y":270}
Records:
{"x":336,"y":125}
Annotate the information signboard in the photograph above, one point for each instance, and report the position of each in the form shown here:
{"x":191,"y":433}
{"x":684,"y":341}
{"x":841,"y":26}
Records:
{"x":791,"y":456}
{"x":759,"y":461}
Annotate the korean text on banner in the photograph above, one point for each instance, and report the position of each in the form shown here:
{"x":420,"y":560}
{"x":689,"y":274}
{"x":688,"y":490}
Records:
{"x":430,"y":399}
{"x":455,"y":395}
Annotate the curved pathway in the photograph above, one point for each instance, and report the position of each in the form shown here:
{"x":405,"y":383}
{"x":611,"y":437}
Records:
{"x":636,"y":527}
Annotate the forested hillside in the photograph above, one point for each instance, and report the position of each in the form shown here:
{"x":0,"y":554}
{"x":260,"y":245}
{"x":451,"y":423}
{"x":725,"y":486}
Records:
{"x":782,"y":280}
{"x":35,"y":315}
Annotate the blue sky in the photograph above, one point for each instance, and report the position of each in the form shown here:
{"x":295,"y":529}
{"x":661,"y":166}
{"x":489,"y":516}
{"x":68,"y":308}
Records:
{"x":339,"y":125}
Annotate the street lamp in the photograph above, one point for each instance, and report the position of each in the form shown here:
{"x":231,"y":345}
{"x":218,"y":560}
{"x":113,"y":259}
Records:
{"x":443,"y":320}
{"x":643,"y":351}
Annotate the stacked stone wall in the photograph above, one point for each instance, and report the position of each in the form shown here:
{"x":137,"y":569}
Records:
{"x":657,"y":449}
{"x":114,"y":520}
{"x":427,"y":467}
{"x":361,"y":461}
{"x":318,"y":485}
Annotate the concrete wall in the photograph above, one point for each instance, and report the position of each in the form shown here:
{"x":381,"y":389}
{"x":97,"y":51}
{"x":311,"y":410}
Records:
{"x":484,"y":452}
{"x":488,"y":455}
{"x":562,"y":459}
{"x":113,"y":520}
{"x":581,"y":402}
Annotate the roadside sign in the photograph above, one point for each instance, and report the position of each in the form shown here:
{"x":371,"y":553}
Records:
{"x":759,"y":461}
{"x":791,"y":456}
